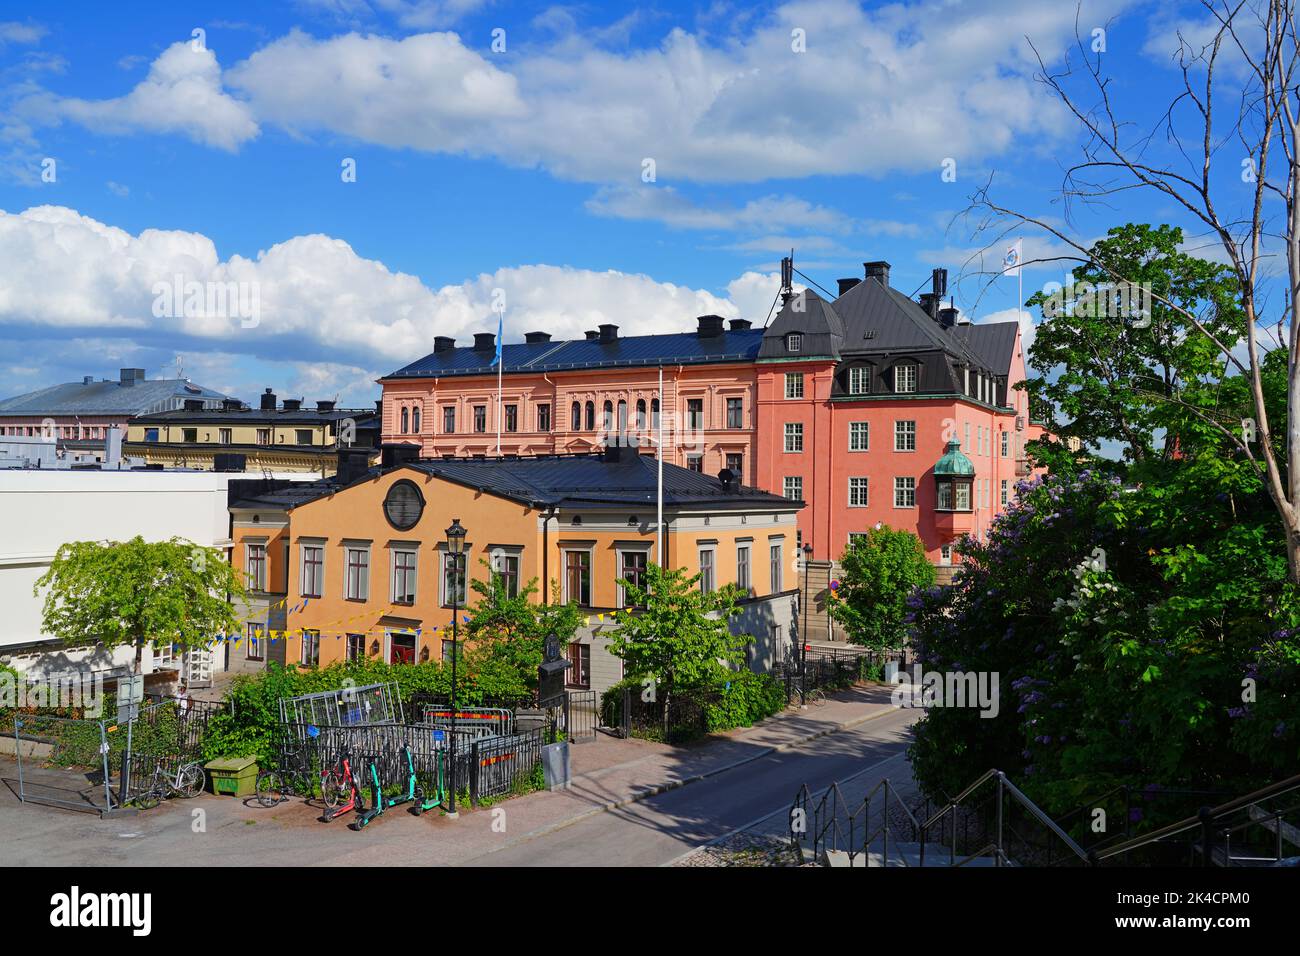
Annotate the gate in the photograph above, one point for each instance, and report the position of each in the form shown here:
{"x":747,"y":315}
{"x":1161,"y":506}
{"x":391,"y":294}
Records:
{"x":68,"y":743}
{"x":580,"y":715}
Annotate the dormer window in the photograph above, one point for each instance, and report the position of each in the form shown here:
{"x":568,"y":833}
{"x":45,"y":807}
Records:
{"x":859,"y":380}
{"x":794,"y":342}
{"x":905,"y":378}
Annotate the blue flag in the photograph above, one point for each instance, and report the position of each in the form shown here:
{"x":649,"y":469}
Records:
{"x":500,"y":320}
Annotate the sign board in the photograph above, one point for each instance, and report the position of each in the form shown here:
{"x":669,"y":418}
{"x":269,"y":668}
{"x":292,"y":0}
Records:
{"x":130,"y":692}
{"x":550,"y":683}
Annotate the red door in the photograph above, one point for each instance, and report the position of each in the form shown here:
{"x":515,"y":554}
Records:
{"x":401,"y":648}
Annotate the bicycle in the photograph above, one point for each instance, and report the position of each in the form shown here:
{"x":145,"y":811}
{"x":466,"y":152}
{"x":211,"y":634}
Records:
{"x":291,"y":775}
{"x":187,"y":782}
{"x":340,"y":789}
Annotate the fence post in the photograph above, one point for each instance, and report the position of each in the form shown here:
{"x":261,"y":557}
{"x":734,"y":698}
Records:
{"x":103,"y":756}
{"x":475,"y":765}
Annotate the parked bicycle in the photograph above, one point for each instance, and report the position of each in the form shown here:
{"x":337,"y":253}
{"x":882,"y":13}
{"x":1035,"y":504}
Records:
{"x":293,"y":774}
{"x":187,"y":781}
{"x":340,"y":789}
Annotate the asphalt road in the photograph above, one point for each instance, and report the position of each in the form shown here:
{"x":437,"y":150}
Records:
{"x":657,"y":830}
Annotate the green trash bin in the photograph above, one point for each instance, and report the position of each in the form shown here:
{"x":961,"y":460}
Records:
{"x":236,"y":776}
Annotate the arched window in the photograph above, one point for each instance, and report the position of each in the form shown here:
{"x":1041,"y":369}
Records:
{"x":622,"y":417}
{"x":415,"y":420}
{"x":640,"y":414}
{"x":406,"y":421}
{"x":591,"y":416}
{"x":654,"y":413}
{"x":607,"y":418}
{"x":575,"y":416}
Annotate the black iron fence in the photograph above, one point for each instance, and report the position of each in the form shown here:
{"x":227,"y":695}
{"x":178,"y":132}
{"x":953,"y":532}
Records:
{"x":669,"y":716}
{"x":581,"y":715}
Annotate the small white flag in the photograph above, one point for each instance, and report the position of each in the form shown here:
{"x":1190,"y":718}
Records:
{"x":1011,"y":261}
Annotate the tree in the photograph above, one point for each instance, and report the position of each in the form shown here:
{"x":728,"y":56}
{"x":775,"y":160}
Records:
{"x":1245,"y":208}
{"x":139,"y":592}
{"x":879,"y":572}
{"x":513,"y":630}
{"x":675,"y":634}
{"x":1109,"y":377}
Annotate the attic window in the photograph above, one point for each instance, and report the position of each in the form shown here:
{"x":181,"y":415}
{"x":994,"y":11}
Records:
{"x":793,"y":342}
{"x":905,"y":378}
{"x":869,"y":334}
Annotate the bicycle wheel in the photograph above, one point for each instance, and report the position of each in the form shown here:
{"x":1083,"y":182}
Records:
{"x":270,"y":788}
{"x":191,"y":780}
{"x":151,"y":796}
{"x":817,"y":697}
{"x":334,"y":791}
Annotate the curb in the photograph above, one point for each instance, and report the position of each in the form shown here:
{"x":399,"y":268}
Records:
{"x":676,"y":784}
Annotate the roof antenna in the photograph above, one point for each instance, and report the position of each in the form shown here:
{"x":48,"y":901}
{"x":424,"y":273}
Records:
{"x":787,"y":278}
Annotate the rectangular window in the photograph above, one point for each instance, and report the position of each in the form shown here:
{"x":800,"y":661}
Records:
{"x":706,"y":570}
{"x":793,"y":488}
{"x":794,"y":384}
{"x":255,"y":560}
{"x":480,"y":419}
{"x":857,"y":492}
{"x":313,"y":570}
{"x":695,"y":463}
{"x":794,"y":342}
{"x":742,"y":567}
{"x":904,"y":492}
{"x":357,"y":580}
{"x":356,"y":649}
{"x":859,"y":380}
{"x":579,"y":673}
{"x":859,"y":436}
{"x":189,"y":434}
{"x":226,"y":436}
{"x":905,"y":436}
{"x":449,"y":650}
{"x":794,"y":436}
{"x":264,"y":436}
{"x":453,"y":579}
{"x":577,"y":577}
{"x":965,"y":445}
{"x":253,"y":642}
{"x":776,"y":567}
{"x":632,"y":569}
{"x":736,"y":465}
{"x":905,"y":378}
{"x":150,"y":434}
{"x":963,"y":496}
{"x":1005,"y":491}
{"x":544,"y":418}
{"x":944,"y":499}
{"x":512,"y":418}
{"x":304,"y":436}
{"x":1006,"y":441}
{"x":735,"y":413}
{"x":945,"y":555}
{"x":857,"y":536}
{"x":404,"y":563}
{"x":310,"y":649}
{"x":506,"y":567}
{"x":695,"y":413}
{"x":449,"y":420}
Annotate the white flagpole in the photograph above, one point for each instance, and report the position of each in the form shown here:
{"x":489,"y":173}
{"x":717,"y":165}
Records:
{"x":659,"y":454}
{"x":500,"y":365}
{"x":1020,"y":288}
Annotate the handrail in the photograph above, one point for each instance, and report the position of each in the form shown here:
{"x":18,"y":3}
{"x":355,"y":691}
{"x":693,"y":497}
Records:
{"x":1200,"y":819}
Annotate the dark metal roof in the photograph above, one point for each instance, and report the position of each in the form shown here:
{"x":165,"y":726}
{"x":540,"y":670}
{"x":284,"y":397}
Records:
{"x":106,"y":398}
{"x":816,"y":321}
{"x":678,"y":348}
{"x":221,"y":416}
{"x":993,"y":342}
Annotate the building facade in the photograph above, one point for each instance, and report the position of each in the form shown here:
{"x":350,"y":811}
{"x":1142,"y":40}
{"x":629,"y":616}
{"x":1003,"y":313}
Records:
{"x":366,"y":570}
{"x":276,"y":436}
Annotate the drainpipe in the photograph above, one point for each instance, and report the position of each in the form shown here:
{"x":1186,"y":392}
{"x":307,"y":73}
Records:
{"x":546,"y":554}
{"x":555,"y":409}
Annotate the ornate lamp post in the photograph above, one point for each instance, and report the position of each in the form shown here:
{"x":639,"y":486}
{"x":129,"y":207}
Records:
{"x":456,"y":549}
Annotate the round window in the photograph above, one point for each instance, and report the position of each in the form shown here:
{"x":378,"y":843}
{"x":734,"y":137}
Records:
{"x":403,"y":505}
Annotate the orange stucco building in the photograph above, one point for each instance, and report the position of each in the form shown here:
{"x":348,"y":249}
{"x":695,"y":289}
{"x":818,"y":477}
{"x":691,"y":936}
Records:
{"x":366,"y":570}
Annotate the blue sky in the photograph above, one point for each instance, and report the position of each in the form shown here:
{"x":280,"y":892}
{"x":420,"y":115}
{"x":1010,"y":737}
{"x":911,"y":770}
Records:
{"x":219,"y":158}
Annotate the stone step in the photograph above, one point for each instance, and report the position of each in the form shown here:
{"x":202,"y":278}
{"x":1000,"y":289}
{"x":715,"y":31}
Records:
{"x":900,"y":854}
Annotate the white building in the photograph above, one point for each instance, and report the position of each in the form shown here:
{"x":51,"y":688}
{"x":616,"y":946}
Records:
{"x":43,"y":509}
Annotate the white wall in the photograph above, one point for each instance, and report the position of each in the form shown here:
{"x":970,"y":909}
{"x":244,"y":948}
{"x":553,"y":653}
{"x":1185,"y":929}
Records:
{"x":40,"y":510}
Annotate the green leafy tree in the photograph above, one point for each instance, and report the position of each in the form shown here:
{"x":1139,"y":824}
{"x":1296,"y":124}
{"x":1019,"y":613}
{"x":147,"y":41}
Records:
{"x":879,"y":571}
{"x":513,"y":630}
{"x":139,"y":592}
{"x":675,"y":634}
{"x":1121,"y":378}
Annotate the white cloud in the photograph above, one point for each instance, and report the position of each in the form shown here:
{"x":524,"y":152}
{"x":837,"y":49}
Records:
{"x":742,"y":109}
{"x":667,"y":205}
{"x":317,"y":298}
{"x":14,"y":32}
{"x":183,"y":93}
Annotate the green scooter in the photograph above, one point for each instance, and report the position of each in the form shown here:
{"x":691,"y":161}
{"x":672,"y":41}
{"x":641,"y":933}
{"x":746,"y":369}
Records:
{"x":427,"y":801}
{"x":381,"y":802}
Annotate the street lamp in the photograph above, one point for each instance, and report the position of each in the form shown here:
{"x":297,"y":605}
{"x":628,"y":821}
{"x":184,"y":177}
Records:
{"x":456,"y":549}
{"x":803,"y":643}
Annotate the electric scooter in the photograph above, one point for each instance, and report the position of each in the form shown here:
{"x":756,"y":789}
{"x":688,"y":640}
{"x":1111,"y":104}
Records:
{"x":381,"y":802}
{"x":427,"y":801}
{"x":341,"y":791}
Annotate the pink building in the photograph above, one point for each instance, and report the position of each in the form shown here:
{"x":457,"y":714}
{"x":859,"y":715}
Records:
{"x":848,"y":405}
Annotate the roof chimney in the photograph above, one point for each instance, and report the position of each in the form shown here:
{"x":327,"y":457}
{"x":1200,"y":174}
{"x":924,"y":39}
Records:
{"x":878,"y":270}
{"x":485,"y":341}
{"x":592,"y":335}
{"x":930,"y":303}
{"x":608,"y":333}
{"x":847,"y":284}
{"x":353,"y":463}
{"x":325,"y":406}
{"x":87,"y":379}
{"x":710,"y":326}
{"x":443,"y":343}
{"x":193,"y":405}
{"x":129,"y":376}
{"x":390,"y":456}
{"x":740,"y":325}
{"x":268,"y":401}
{"x":292,"y":404}
{"x":231,"y":404}
{"x":532,"y":338}
{"x":948,"y":316}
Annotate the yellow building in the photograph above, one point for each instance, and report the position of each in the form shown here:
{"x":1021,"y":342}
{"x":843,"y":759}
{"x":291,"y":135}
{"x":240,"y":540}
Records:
{"x":367,"y":570}
{"x":283,"y":437}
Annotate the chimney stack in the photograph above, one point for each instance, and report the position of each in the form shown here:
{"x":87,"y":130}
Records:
{"x":532,"y":338}
{"x":325,"y":406}
{"x":129,"y":376}
{"x":268,"y":401}
{"x":608,"y":333}
{"x":948,"y":316}
{"x":740,"y":325}
{"x":847,"y":284}
{"x":710,"y":326}
{"x":443,"y":343}
{"x":878,"y":270}
{"x":485,"y":341}
{"x":292,"y":404}
{"x":592,"y":335}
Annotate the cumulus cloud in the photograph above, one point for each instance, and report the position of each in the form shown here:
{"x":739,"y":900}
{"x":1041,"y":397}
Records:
{"x":743,"y":109}
{"x":183,"y":93}
{"x":667,"y":205}
{"x":70,"y":274}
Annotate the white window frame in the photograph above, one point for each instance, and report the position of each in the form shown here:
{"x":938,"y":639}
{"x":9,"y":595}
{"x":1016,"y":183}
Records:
{"x":619,"y":555}
{"x":794,"y":430}
{"x":444,"y":556}
{"x":905,"y":433}
{"x":260,"y":583}
{"x":860,"y":482}
{"x":1005,"y":491}
{"x":785,"y":487}
{"x":945,"y":555}
{"x":794,"y":342}
{"x":498,"y":553}
{"x":776,"y":559}
{"x":748,"y":547}
{"x":905,"y":378}
{"x":864,"y":432}
{"x":905,"y":490}
{"x":591,"y":574}
{"x":319,"y":591}
{"x":708,"y":582}
{"x":364,"y":588}
{"x":794,"y":386}
{"x":860,"y":380}
{"x":414,"y":552}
